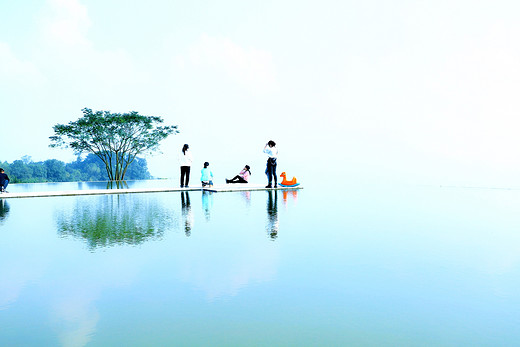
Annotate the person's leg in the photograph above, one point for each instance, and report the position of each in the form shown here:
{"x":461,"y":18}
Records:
{"x":187,"y":175}
{"x":269,"y":172}
{"x":274,"y":175}
{"x":234,"y":179}
{"x":183,"y":172}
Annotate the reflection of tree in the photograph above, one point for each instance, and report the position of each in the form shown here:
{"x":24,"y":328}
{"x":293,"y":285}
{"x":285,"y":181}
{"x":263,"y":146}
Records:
{"x":272,"y":214}
{"x":115,"y":220}
{"x":186,"y":213}
{"x":117,"y":185}
{"x":4,"y":210}
{"x":207,"y":203}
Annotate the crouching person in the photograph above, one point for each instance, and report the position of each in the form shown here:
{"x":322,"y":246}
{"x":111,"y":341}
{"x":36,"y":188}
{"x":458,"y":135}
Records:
{"x":4,"y":181}
{"x":206,"y":176}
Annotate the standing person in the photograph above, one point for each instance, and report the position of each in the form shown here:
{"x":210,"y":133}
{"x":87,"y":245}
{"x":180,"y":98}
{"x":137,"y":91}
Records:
{"x":4,"y":181}
{"x":242,"y":177}
{"x":206,"y":176}
{"x":271,"y":150}
{"x":185,"y":161}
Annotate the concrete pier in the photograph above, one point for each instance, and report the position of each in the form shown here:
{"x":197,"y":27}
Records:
{"x":216,"y":188}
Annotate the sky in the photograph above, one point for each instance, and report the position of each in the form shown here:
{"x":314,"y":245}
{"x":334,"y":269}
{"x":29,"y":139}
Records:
{"x":422,"y":92}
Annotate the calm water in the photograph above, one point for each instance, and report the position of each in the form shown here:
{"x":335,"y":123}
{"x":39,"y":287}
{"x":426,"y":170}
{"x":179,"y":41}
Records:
{"x":354,"y":265}
{"x":47,"y":187}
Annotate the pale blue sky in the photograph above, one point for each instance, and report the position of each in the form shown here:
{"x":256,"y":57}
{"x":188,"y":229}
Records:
{"x":418,"y":91}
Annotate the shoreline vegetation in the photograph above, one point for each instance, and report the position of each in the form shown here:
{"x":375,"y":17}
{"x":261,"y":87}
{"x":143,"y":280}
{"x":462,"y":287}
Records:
{"x":89,"y":169}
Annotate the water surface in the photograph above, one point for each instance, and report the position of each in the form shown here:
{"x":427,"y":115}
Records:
{"x":360,"y":265}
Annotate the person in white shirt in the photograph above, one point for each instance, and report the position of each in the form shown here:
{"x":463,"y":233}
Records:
{"x":185,"y":161}
{"x":271,"y":150}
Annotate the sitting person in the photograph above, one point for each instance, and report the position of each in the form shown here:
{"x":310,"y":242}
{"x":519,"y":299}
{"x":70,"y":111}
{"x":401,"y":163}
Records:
{"x":4,"y":181}
{"x":206,"y":176}
{"x":242,"y":177}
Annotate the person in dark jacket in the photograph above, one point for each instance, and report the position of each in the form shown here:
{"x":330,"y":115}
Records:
{"x":4,"y":181}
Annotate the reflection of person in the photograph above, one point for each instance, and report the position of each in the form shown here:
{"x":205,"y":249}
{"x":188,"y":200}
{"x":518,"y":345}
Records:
{"x":186,"y":212}
{"x":4,"y":181}
{"x":185,"y":161}
{"x":247,"y":197}
{"x":4,"y":209}
{"x":242,"y":177}
{"x":207,"y":203}
{"x":272,"y":152}
{"x":272,"y":214}
{"x":206,"y":176}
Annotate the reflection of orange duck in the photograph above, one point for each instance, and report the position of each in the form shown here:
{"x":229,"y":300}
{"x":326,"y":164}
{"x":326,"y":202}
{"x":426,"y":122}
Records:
{"x":285,"y":182}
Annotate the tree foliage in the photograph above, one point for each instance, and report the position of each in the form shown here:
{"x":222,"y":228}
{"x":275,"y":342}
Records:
{"x":91,"y":168}
{"x":114,"y":138}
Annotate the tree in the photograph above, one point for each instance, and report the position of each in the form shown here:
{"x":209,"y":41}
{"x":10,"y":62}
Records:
{"x":113,"y":137}
{"x":56,"y":170}
{"x":19,"y":171}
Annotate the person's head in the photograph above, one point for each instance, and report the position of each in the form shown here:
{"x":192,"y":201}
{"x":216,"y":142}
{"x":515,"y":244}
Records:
{"x":206,"y":164}
{"x":271,"y":143}
{"x":185,"y":148}
{"x":247,"y":168}
{"x":1,"y":170}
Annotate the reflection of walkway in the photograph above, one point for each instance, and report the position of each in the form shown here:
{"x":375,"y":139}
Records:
{"x":4,"y":210}
{"x":187,"y":216}
{"x":207,"y":203}
{"x":272,"y":214}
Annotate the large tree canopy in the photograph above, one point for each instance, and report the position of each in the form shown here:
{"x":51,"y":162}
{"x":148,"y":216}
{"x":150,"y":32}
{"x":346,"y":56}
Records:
{"x":114,"y":137}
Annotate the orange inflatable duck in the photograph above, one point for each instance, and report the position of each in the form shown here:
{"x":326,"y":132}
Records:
{"x":287,"y":183}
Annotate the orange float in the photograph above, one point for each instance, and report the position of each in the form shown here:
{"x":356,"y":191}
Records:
{"x":288,"y":183}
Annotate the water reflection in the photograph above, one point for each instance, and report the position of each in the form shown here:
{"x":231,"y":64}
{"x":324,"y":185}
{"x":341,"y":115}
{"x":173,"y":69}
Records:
{"x":207,"y":203}
{"x":247,"y":198}
{"x":114,"y":219}
{"x":4,"y":210}
{"x":292,"y":193}
{"x":272,"y":214}
{"x":117,"y":185}
{"x":187,"y":215}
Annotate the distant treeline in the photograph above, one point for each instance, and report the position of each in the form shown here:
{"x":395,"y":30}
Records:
{"x":52,"y":170}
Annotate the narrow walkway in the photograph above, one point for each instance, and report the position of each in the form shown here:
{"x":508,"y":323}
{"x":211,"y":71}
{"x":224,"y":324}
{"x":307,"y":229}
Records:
{"x":226,"y":188}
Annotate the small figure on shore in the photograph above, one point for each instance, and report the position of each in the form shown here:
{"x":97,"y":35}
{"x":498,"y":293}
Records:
{"x":4,"y":181}
{"x":206,"y":176}
{"x":272,"y":152}
{"x":242,"y":177}
{"x":185,"y":160}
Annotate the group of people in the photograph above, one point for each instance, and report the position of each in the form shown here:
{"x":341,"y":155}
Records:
{"x":206,"y":175}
